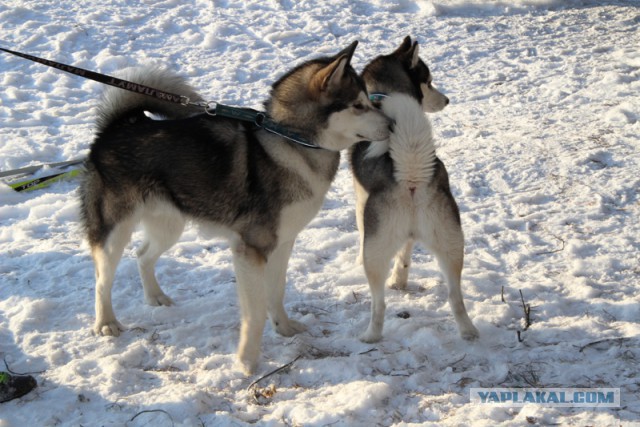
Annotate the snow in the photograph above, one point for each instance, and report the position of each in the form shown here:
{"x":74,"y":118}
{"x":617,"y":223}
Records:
{"x":541,"y":142}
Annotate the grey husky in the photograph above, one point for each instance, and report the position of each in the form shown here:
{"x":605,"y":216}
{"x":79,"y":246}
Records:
{"x":402,"y":188}
{"x":255,"y":188}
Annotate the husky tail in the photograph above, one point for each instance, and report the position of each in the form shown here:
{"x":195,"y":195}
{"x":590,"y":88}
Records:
{"x":117,"y":103}
{"x":411,"y":144}
{"x":102,"y":207}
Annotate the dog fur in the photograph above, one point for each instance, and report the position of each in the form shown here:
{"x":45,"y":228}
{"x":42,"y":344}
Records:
{"x":402,"y":188}
{"x":257,"y":189}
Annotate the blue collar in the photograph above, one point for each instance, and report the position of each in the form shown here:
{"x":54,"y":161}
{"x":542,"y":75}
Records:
{"x":377,"y":97}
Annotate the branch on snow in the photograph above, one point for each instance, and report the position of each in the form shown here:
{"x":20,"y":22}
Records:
{"x":526,"y":308}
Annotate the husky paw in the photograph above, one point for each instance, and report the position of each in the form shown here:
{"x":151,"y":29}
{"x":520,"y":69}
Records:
{"x":290,"y":328}
{"x":160,"y":299}
{"x":397,"y":285}
{"x":247,"y":358}
{"x":370,"y":337}
{"x":108,"y":329}
{"x":470,"y":334}
{"x":399,"y":278}
{"x":247,"y":367}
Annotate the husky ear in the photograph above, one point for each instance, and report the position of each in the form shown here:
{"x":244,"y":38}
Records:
{"x":348,"y":51}
{"x":331,"y":75}
{"x":415,"y":58}
{"x":404,"y":47}
{"x":408,"y":52}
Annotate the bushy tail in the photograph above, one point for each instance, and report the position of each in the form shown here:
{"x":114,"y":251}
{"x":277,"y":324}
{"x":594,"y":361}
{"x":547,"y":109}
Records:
{"x":116,"y":102}
{"x":411,"y":144}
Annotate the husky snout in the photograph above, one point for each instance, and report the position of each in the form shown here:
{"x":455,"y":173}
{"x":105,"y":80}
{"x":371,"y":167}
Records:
{"x":433,"y":100}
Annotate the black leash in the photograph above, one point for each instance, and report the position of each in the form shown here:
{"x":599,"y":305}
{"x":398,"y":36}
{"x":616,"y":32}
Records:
{"x":260,"y":119}
{"x":105,"y":79}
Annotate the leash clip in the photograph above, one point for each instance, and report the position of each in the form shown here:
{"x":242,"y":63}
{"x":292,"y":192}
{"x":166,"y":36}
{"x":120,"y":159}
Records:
{"x":210,"y":108}
{"x":259,"y":120}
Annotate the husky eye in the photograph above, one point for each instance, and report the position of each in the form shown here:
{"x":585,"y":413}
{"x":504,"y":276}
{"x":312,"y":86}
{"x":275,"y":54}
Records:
{"x":358,"y":106}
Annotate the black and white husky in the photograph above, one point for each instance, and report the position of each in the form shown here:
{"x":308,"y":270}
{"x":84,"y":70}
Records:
{"x":402,"y":188}
{"x":255,"y":188}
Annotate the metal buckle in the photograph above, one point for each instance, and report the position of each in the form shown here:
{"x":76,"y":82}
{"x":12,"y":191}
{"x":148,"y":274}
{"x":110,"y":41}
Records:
{"x":210,"y":108}
{"x":259,"y":120}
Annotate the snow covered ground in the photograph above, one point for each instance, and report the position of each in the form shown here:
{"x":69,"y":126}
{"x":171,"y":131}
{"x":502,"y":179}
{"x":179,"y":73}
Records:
{"x":542,"y":145}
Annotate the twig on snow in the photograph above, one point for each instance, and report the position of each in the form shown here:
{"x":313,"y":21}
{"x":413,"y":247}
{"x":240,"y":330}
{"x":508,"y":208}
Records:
{"x":555,"y":250}
{"x":618,"y":341}
{"x":154,"y":410}
{"x":458,"y":361}
{"x":527,"y":313}
{"x":280,"y":369}
{"x":263,"y":396}
{"x":4,"y":359}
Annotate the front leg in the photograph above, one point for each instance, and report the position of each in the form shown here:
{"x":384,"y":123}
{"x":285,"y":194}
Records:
{"x":276,"y":276}
{"x":361,"y":202}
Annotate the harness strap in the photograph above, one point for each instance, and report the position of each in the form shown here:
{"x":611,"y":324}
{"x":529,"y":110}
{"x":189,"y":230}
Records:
{"x":261,"y":120}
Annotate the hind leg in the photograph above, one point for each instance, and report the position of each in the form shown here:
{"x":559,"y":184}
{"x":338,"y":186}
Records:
{"x":400,"y":272}
{"x":377,"y":256}
{"x":451,"y":266}
{"x":106,"y":258}
{"x":275,"y":287}
{"x":161,"y":232}
{"x":250,"y":265}
{"x":379,"y":247}
{"x":446,"y":241}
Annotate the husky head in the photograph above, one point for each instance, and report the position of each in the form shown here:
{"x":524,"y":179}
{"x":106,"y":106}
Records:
{"x":325,"y":100}
{"x":403,"y":71}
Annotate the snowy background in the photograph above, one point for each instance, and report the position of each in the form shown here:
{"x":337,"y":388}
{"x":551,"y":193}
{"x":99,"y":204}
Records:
{"x":542,"y":145}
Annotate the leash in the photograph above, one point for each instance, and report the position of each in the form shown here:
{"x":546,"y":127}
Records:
{"x":260,"y":119}
{"x":108,"y":80}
